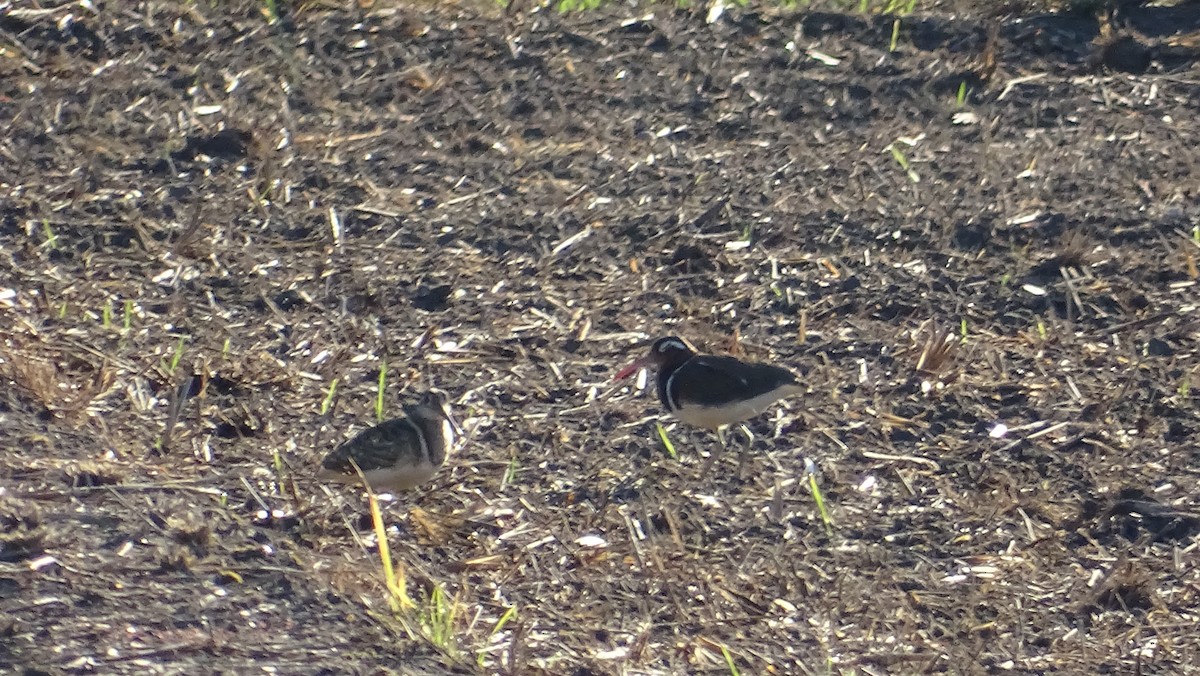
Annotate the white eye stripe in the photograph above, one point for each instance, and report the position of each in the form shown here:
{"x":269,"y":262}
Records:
{"x":668,"y":345}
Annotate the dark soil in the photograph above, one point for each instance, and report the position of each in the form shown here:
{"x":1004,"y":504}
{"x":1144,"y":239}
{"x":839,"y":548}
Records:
{"x":206,"y":219}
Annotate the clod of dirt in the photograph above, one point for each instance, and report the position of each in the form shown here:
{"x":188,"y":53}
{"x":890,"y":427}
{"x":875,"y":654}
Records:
{"x":177,"y":560}
{"x":194,"y":386}
{"x":522,"y":107}
{"x":90,"y":474}
{"x":1156,"y":347}
{"x":241,"y":424}
{"x":227,"y":144}
{"x":691,"y":258}
{"x":356,"y":303}
{"x":15,"y":515}
{"x":971,"y":236}
{"x":1073,"y":250}
{"x":432,"y":299}
{"x":1177,"y":432}
{"x":224,"y":386}
{"x":1126,"y":54}
{"x":21,"y":545}
{"x":1127,"y":588}
{"x":289,"y":300}
{"x":191,"y":531}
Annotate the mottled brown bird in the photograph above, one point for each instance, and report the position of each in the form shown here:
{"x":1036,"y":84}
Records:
{"x":401,"y":453}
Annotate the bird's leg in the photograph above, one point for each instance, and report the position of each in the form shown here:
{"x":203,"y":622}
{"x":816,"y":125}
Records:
{"x":712,"y":456}
{"x":743,"y":450}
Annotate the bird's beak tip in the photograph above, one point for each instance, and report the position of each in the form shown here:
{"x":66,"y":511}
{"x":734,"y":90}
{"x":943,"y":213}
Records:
{"x":629,"y":370}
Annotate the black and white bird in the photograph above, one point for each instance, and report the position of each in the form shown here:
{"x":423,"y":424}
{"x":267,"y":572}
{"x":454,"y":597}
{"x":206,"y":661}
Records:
{"x":710,"y":391}
{"x":401,"y":453}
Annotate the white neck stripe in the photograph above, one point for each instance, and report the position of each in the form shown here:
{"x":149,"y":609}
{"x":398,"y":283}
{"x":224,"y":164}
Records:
{"x":672,"y":403}
{"x":421,"y":438}
{"x":447,"y":436}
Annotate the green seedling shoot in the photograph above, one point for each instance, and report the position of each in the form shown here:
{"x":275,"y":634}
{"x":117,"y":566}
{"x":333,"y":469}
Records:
{"x":439,"y":624}
{"x":902,"y":160}
{"x":177,"y":356}
{"x":51,"y":238}
{"x":327,"y":403}
{"x":820,"y":500}
{"x":379,"y":392}
{"x":504,"y":619}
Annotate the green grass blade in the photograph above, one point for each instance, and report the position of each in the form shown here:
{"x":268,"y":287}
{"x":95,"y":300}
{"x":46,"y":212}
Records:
{"x":327,"y":403}
{"x":481,"y":655}
{"x":51,"y":238}
{"x":733,"y":670}
{"x":510,"y":473}
{"x":662,"y":435}
{"x":820,"y":500}
{"x":504,"y":619}
{"x":177,"y":356}
{"x":397,"y":585}
{"x":380,"y":391}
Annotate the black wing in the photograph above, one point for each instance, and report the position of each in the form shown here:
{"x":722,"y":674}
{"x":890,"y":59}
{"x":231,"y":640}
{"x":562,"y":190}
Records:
{"x":377,"y":447}
{"x":709,"y":380}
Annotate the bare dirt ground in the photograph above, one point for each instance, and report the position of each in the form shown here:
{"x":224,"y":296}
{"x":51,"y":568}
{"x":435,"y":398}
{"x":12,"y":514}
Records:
{"x":206,"y":219}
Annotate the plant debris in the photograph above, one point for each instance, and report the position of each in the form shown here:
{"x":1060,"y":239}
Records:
{"x":220,"y":225}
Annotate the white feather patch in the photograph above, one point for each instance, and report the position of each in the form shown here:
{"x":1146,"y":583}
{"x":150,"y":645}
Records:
{"x":712,"y":417}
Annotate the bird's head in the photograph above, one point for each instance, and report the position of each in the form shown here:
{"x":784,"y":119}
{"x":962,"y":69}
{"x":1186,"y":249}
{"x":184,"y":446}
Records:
{"x":668,"y":351}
